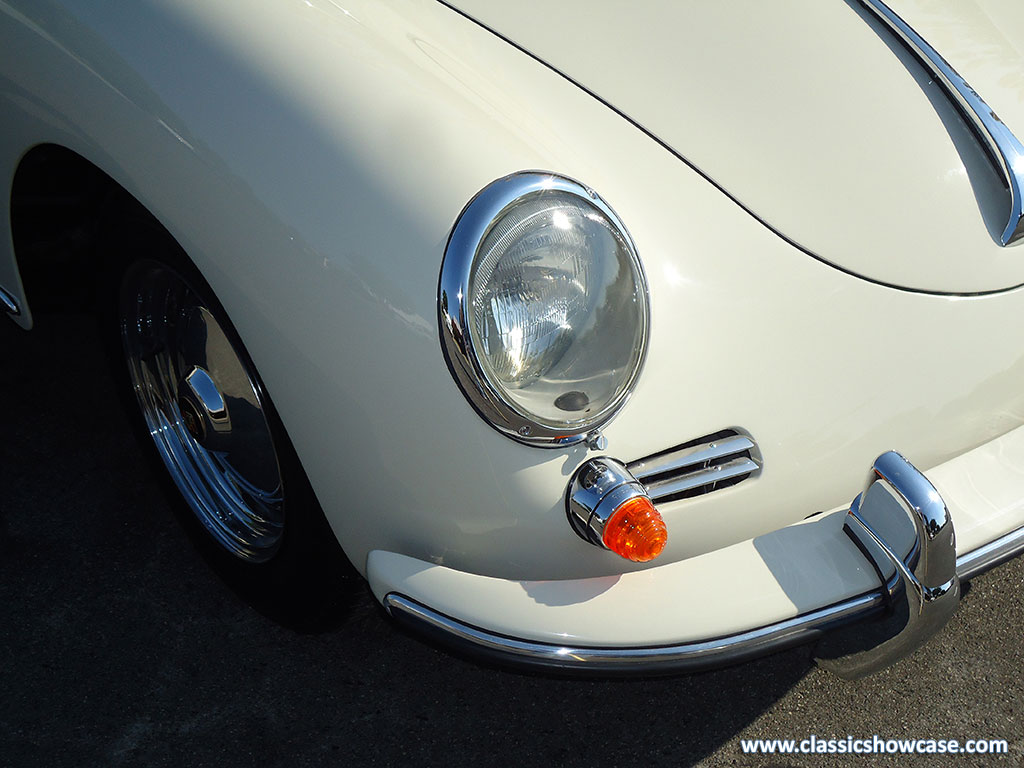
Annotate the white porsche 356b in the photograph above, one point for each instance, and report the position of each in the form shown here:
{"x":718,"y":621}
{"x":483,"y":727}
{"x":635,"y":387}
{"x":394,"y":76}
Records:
{"x":581,"y":324}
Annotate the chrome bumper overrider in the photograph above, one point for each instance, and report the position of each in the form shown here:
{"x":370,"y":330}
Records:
{"x":901,"y":526}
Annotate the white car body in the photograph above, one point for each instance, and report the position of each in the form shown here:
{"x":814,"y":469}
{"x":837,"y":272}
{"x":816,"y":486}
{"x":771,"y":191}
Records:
{"x":815,"y":228}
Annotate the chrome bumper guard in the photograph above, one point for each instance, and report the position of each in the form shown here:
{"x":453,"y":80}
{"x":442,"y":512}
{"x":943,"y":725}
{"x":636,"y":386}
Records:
{"x":899,"y":523}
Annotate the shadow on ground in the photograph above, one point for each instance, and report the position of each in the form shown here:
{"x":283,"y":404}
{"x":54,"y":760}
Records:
{"x":119,"y":646}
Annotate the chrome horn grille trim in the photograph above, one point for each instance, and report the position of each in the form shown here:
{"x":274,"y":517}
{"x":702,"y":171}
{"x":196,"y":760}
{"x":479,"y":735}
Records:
{"x":698,"y":467}
{"x":996,"y":138}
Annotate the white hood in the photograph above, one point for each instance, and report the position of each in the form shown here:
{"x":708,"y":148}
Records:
{"x":812,"y":117}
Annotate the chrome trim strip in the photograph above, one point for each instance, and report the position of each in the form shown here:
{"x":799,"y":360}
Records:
{"x":681,"y":657}
{"x":9,"y":303}
{"x":661,"y":488}
{"x":998,"y":140}
{"x":668,"y":658}
{"x":688,"y":457}
{"x":990,"y":555}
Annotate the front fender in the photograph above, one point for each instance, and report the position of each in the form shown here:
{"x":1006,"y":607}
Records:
{"x":312,"y":161}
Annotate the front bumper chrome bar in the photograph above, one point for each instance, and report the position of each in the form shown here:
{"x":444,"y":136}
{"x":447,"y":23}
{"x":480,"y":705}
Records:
{"x":900,"y":525}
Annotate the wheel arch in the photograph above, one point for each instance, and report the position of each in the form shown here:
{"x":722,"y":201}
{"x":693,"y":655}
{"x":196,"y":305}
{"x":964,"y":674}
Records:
{"x":58,"y":199}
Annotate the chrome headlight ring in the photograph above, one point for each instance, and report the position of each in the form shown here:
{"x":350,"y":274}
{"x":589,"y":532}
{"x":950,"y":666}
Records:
{"x":470,"y":325}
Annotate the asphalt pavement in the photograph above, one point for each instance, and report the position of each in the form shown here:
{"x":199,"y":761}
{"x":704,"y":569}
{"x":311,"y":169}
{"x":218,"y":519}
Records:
{"x":120,"y":646}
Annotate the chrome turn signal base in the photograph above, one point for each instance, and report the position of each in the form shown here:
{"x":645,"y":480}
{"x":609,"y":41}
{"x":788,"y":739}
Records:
{"x":903,"y":527}
{"x":597,"y":489}
{"x":610,"y":508}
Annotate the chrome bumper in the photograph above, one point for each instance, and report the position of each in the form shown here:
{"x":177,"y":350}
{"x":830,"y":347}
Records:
{"x":901,"y":526}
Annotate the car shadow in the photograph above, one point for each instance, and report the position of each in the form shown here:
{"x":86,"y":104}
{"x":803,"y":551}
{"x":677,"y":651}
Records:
{"x":129,"y":642}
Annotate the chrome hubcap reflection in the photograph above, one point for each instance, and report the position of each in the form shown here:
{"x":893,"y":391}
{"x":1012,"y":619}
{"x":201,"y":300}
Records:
{"x":203,"y":409}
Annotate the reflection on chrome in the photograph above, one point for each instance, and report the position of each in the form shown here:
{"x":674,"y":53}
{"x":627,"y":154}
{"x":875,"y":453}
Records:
{"x":201,"y":403}
{"x":902,"y":524}
{"x":8,"y":303}
{"x":204,"y":392}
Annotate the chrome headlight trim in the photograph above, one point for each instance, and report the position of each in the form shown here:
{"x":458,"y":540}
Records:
{"x":454,"y":302}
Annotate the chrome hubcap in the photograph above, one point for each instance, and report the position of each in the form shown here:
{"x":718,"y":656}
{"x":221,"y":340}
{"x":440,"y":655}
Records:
{"x":203,"y":409}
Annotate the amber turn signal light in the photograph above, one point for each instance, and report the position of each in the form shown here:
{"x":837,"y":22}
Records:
{"x":636,"y":530}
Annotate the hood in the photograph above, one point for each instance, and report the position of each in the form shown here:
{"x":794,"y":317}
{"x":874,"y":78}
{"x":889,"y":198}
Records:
{"x":813,"y":117}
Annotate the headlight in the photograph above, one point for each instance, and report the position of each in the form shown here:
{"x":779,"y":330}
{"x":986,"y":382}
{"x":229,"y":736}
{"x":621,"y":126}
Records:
{"x":543,"y":308}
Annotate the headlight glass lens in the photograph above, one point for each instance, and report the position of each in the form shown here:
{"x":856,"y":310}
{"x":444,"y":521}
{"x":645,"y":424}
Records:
{"x":557,"y":309}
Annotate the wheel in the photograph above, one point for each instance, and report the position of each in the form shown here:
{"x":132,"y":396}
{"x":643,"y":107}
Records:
{"x":203,"y":406}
